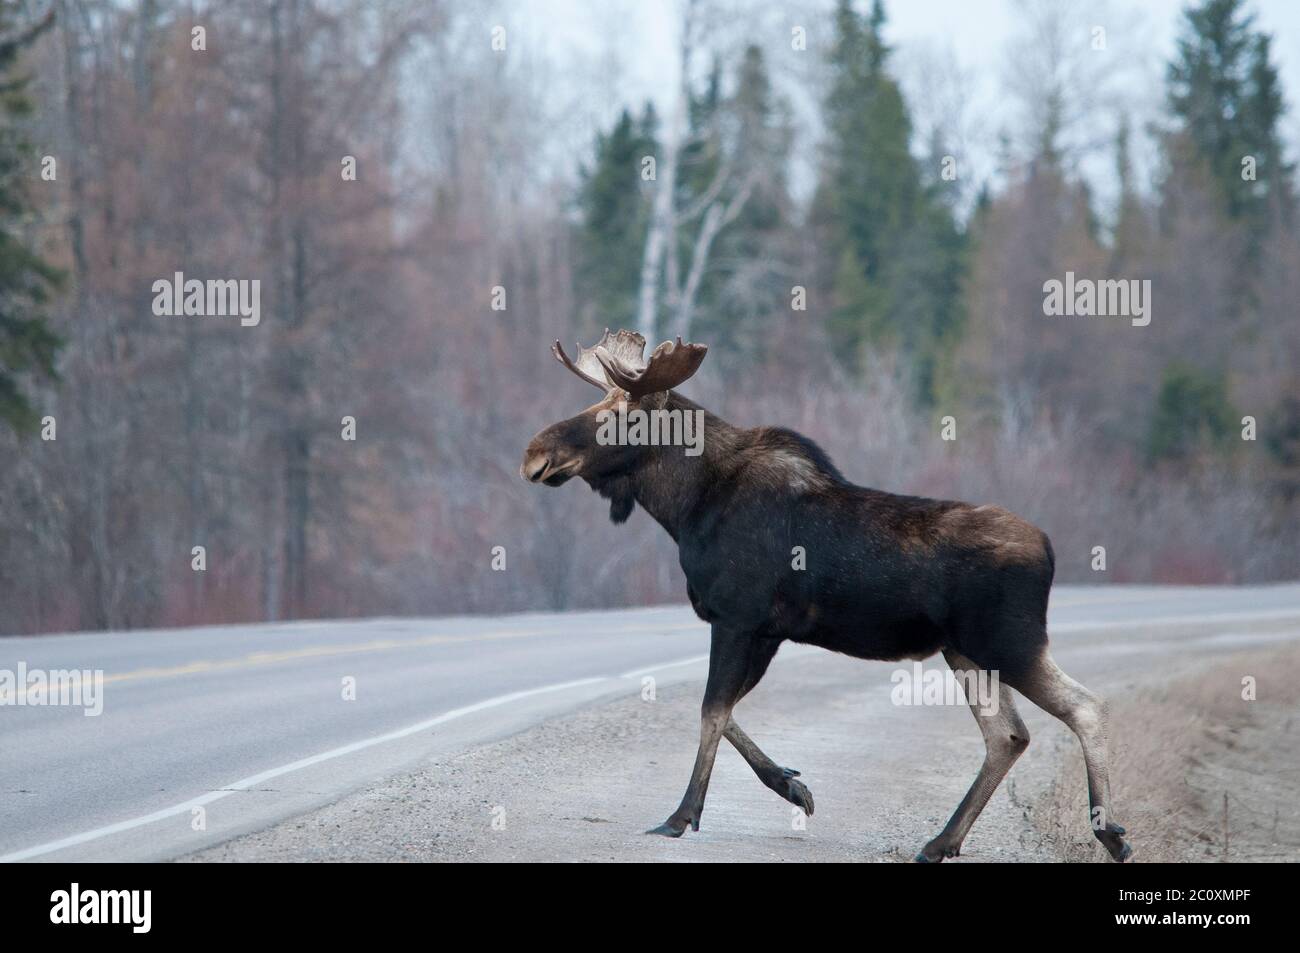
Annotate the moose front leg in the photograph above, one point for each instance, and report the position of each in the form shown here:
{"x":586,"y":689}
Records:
{"x":729,"y":669}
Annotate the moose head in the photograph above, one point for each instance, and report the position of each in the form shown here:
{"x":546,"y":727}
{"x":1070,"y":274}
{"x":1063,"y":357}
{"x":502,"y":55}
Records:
{"x":615,"y":364}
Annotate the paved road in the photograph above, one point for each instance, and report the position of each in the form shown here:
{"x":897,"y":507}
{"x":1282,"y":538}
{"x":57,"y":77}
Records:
{"x":214,"y":732}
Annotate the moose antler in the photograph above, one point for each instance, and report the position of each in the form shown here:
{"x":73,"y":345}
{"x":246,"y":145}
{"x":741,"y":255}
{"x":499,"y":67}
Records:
{"x":616,"y":361}
{"x":669,"y":365}
{"x":627,"y":346}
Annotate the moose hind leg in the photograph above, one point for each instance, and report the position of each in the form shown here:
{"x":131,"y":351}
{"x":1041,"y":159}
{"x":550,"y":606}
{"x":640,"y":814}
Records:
{"x":1005,"y":738}
{"x":1056,"y":693}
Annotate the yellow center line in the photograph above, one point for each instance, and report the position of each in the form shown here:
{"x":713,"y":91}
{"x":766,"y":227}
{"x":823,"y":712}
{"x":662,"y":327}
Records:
{"x":254,"y":659}
{"x":356,"y":648}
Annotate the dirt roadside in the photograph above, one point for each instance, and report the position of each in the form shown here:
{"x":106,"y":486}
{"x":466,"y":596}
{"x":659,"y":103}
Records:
{"x":586,"y":786}
{"x":1201,"y":773}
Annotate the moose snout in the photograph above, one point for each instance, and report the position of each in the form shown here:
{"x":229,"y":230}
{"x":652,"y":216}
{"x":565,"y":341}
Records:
{"x":534,"y":466}
{"x":546,"y":463}
{"x":540,"y":460}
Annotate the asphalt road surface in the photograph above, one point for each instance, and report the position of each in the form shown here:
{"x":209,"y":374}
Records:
{"x":216,"y":733}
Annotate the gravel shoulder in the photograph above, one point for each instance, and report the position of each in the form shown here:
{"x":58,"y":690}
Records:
{"x":585,"y":787}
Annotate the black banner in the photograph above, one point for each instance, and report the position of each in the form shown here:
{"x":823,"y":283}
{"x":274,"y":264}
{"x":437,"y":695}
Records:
{"x":111,"y":902}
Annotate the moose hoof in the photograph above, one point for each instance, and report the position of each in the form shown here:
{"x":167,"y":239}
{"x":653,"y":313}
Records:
{"x":668,"y":830}
{"x":797,"y":793}
{"x":1111,"y":838}
{"x":936,"y":853}
{"x":674,"y":827}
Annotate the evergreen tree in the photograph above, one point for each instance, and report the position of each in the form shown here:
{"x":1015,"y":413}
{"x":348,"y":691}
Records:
{"x":1130,"y":235}
{"x":27,"y":345}
{"x":752,"y":137}
{"x":1264,"y":108}
{"x":703,"y":157}
{"x":614,"y":211}
{"x":1225,"y":97}
{"x":731,"y":166}
{"x":896,"y":248}
{"x":1192,"y":413}
{"x":702,"y":151}
{"x":1224,"y":92}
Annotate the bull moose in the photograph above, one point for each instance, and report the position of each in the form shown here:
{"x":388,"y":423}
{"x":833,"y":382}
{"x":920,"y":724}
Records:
{"x":886,"y":577}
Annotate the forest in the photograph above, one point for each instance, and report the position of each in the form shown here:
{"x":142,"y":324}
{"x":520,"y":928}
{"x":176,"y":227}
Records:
{"x":425,"y":194}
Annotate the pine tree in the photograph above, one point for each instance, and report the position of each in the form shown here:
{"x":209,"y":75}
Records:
{"x":614,"y":209}
{"x":1130,"y":234}
{"x":1192,"y":413}
{"x":729,"y":210}
{"x":703,"y":156}
{"x":896,"y":247}
{"x":752,"y":136}
{"x":1224,"y":91}
{"x":27,"y":345}
{"x":1263,"y":111}
{"x":1225,"y":97}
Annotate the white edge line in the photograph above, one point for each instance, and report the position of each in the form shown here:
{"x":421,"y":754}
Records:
{"x":788,"y":650}
{"x":636,"y":672}
{"x":253,"y":780}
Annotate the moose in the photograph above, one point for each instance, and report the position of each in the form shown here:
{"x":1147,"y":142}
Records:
{"x":884,"y":576}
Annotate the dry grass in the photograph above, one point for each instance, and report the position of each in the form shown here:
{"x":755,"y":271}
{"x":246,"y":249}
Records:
{"x":1178,"y":750}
